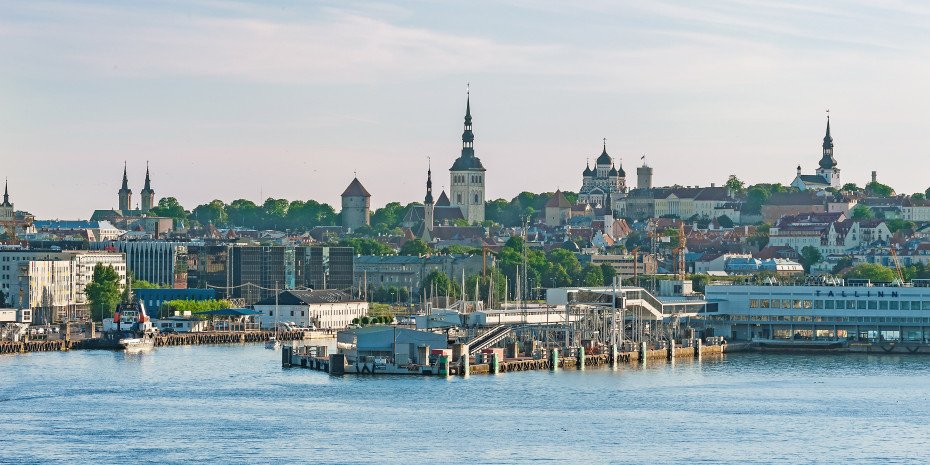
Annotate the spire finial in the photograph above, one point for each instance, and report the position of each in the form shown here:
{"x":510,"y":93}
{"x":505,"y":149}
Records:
{"x":605,"y":144}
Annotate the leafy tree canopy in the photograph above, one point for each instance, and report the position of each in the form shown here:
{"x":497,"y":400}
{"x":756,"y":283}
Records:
{"x":862,"y":212}
{"x":872,"y":271}
{"x":103,"y":292}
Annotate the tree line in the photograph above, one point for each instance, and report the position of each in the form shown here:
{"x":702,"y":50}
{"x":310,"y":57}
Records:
{"x":302,"y":216}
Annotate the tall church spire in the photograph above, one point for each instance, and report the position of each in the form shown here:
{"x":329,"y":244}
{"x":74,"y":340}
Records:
{"x":827,"y":161}
{"x":468,"y":137}
{"x":6,"y":193}
{"x":148,"y":182}
{"x":125,"y":194}
{"x":429,"y":186}
{"x":148,"y":194}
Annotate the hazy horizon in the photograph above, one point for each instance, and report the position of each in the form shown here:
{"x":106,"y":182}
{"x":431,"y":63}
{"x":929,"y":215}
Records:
{"x":231,"y":100}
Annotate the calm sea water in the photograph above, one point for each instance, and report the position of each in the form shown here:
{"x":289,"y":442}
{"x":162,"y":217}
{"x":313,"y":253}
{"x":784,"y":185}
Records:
{"x":236,"y":404}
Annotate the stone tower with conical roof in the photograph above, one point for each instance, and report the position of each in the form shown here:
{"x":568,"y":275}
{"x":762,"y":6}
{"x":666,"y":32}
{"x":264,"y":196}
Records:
{"x":125,"y":194}
{"x":356,"y":205}
{"x":828,"y":167}
{"x":467,"y":175}
{"x":148,"y":195}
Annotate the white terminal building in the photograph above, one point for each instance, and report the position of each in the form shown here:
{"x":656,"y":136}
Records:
{"x":825,"y":311}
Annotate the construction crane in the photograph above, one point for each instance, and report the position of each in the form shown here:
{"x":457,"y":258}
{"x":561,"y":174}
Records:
{"x":897,"y":264}
{"x":680,"y":252}
{"x":635,"y":267}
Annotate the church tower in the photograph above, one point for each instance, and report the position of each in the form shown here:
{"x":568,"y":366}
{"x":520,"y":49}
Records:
{"x":428,"y":206}
{"x":148,"y":195}
{"x":828,"y":170}
{"x":6,"y":208}
{"x":467,"y":175}
{"x":125,"y":194}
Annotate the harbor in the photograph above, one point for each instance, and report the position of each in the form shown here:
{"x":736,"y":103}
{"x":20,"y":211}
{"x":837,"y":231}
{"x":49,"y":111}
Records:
{"x":163,"y":340}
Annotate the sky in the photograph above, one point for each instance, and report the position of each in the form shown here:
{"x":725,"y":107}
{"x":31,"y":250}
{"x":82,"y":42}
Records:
{"x":288,"y":99}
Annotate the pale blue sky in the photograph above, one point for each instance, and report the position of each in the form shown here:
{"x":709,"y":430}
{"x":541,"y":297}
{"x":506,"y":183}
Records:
{"x":234,"y":99}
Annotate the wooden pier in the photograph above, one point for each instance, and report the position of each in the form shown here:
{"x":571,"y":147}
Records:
{"x":176,"y":339}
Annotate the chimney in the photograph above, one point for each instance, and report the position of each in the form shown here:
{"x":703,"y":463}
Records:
{"x":874,"y":176}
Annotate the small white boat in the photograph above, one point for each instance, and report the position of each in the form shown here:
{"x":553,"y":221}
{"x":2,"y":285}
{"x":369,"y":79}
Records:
{"x":272,"y":343}
{"x":138,"y":344}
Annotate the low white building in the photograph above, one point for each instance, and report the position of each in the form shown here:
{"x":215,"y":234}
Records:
{"x":326,"y":309}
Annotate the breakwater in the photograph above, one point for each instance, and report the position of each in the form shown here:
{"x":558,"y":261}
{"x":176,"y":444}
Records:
{"x":233,"y":337}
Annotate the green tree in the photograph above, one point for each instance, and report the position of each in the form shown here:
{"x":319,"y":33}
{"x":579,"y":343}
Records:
{"x":810,"y":256}
{"x":458,"y":249}
{"x":143,"y":284}
{"x":213,"y":212}
{"x":897,"y":224}
{"x":734,"y":184}
{"x":390,"y":215}
{"x":850,"y":187}
{"x":366,"y":246}
{"x":592,"y":275}
{"x":878,"y":189}
{"x":609,"y":273}
{"x":724,"y":221}
{"x":484,"y":284}
{"x":872,"y":271}
{"x":170,"y":208}
{"x":568,"y":262}
{"x":414,"y":247}
{"x":243,"y":213}
{"x":927,"y":193}
{"x":842,"y":264}
{"x":103,"y":292}
{"x":182,"y":307}
{"x":438,"y":282}
{"x":918,"y":197}
{"x":862,"y":212}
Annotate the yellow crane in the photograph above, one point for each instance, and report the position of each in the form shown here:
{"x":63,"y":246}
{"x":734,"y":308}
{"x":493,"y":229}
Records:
{"x":635,"y":266}
{"x":680,"y":252}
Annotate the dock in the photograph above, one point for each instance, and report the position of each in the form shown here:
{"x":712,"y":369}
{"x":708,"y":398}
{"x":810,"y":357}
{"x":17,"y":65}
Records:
{"x":163,"y":340}
{"x":317,"y":358}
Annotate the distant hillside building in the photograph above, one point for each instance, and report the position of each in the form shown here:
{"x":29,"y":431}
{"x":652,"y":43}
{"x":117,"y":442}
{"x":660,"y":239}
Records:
{"x":14,"y":222}
{"x":356,"y":205}
{"x":827,"y":174}
{"x":467,"y":176}
{"x":558,"y":209}
{"x":127,"y":218}
{"x":602,"y":181}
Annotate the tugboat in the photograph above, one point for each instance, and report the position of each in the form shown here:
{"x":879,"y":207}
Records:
{"x":131,"y":330}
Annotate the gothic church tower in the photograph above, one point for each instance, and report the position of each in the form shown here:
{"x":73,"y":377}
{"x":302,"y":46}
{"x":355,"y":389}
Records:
{"x":467,"y":175}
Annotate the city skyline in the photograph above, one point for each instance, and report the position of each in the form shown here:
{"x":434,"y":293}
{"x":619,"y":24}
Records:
{"x":235,"y":100}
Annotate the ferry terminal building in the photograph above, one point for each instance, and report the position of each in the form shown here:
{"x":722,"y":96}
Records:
{"x":870,"y":311}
